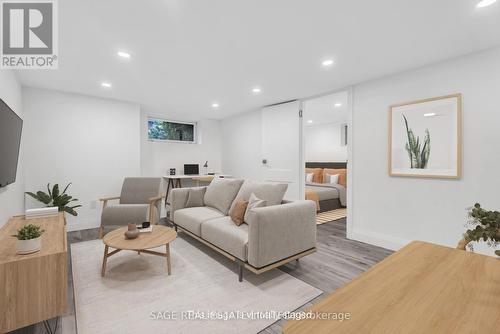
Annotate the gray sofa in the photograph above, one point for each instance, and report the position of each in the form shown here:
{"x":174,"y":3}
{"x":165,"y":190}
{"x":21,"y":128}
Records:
{"x":271,"y":236}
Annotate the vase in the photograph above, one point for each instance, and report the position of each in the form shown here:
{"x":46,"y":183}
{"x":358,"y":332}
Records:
{"x":29,"y":246}
{"x":132,"y":232}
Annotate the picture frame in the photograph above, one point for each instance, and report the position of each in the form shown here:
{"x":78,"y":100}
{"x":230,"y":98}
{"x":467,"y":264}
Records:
{"x":425,"y":138}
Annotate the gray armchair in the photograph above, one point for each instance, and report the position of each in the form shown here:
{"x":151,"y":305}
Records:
{"x":139,"y":201}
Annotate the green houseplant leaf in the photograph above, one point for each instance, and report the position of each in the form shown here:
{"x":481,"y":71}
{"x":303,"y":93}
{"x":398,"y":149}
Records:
{"x":56,"y":198}
{"x":28,"y":232}
{"x":484,"y":226}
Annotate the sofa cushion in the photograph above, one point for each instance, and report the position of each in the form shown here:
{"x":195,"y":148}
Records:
{"x":272,"y":193}
{"x":223,"y":233}
{"x":195,"y":197}
{"x":221,"y":193}
{"x":192,"y":218}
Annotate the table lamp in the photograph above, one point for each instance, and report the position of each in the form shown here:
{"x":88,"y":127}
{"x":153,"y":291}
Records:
{"x":206,"y":167}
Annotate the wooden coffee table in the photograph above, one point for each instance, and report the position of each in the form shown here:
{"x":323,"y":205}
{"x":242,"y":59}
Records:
{"x":160,"y":236}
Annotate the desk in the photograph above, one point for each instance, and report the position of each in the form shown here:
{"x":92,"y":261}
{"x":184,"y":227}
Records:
{"x":423,"y":288}
{"x":33,"y":287}
{"x":174,"y":181}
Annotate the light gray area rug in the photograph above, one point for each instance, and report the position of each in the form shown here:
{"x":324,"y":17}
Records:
{"x":137,"y":289}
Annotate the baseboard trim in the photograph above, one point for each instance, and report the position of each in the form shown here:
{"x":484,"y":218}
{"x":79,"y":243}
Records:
{"x":377,"y":239}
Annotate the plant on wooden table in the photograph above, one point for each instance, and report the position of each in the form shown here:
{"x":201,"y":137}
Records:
{"x":56,"y":198}
{"x":28,"y":232}
{"x":485,"y":226}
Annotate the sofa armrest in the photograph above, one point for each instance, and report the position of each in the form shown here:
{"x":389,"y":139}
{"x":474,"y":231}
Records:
{"x":280,"y":231}
{"x":178,"y":199}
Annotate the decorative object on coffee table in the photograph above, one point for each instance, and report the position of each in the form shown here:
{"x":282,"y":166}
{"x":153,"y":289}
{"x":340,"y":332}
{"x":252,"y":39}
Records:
{"x":132,"y":231}
{"x":29,"y":239}
{"x":485,"y":226}
{"x":160,"y":236}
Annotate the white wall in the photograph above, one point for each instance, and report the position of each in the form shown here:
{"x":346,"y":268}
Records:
{"x":89,"y":141}
{"x":158,"y":157}
{"x":322,"y":143}
{"x":242,"y":145}
{"x":390,"y":211}
{"x":12,"y":196}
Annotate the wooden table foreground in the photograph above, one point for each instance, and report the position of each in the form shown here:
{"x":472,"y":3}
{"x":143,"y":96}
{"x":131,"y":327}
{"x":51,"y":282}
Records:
{"x":423,"y":288}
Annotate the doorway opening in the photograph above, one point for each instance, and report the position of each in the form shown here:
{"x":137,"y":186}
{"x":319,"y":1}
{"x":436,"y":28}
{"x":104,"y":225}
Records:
{"x":325,"y":132}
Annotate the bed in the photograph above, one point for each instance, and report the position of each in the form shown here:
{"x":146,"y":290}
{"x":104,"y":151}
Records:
{"x":328,"y":196}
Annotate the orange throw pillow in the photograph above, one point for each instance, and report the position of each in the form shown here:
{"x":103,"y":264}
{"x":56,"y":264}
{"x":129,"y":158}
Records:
{"x":238,"y":212}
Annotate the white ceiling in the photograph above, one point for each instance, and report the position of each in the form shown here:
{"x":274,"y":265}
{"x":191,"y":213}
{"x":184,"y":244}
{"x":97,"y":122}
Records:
{"x":323,"y":110}
{"x":187,"y":54}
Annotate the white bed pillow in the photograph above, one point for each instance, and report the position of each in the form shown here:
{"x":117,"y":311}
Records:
{"x":333,"y":178}
{"x":309,"y":177}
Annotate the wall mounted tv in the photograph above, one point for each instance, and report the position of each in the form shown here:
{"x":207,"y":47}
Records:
{"x":10,"y":140}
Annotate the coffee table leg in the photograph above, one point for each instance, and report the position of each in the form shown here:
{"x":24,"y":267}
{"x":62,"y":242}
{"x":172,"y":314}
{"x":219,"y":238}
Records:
{"x":169,"y":268}
{"x":104,"y":260}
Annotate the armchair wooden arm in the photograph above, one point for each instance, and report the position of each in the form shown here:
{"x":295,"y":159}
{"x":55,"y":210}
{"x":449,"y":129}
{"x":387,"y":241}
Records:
{"x":152,"y":204}
{"x":105,"y":200}
{"x":154,"y":200}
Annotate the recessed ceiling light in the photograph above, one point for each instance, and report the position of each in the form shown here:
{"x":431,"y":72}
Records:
{"x":485,"y":3}
{"x":430,"y":114}
{"x":310,"y":121}
{"x":327,"y":62}
{"x":256,"y":90}
{"x":123,"y":54}
{"x":338,"y":105}
{"x":215,"y":105}
{"x":106,"y":84}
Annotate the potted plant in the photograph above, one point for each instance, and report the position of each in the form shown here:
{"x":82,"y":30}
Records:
{"x":55,"y":198}
{"x":29,"y":239}
{"x":485,"y":226}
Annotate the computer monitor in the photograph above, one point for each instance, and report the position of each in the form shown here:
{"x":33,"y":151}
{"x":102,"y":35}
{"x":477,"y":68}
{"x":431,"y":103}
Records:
{"x":191,"y":169}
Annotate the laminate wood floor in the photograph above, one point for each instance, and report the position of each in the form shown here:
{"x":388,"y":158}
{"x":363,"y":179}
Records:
{"x":337,"y":261}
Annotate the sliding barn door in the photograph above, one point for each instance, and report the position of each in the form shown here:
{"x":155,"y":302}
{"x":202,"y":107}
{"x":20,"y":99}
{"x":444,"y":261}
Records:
{"x":281,"y":147}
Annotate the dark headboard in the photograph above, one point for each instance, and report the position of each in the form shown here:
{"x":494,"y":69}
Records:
{"x":333,"y":165}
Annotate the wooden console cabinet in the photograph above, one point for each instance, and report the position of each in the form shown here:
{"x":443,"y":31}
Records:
{"x":33,"y":287}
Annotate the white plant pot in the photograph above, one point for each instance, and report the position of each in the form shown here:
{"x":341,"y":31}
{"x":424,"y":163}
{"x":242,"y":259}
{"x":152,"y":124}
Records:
{"x":29,"y":246}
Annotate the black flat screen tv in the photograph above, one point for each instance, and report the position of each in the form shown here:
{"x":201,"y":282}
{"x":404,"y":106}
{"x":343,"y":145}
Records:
{"x":11,"y":127}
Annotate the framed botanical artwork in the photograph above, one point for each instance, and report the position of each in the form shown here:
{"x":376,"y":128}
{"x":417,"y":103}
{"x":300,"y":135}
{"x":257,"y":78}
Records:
{"x":425,"y":138}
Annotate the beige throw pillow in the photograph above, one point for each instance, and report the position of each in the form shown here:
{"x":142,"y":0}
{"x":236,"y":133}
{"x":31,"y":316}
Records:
{"x":221,"y":193}
{"x":254,"y":202}
{"x":272,"y":193}
{"x":238,"y":213}
{"x":195,"y":197}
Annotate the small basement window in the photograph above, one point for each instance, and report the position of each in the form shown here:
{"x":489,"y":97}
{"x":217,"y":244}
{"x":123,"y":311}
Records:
{"x":164,"y":130}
